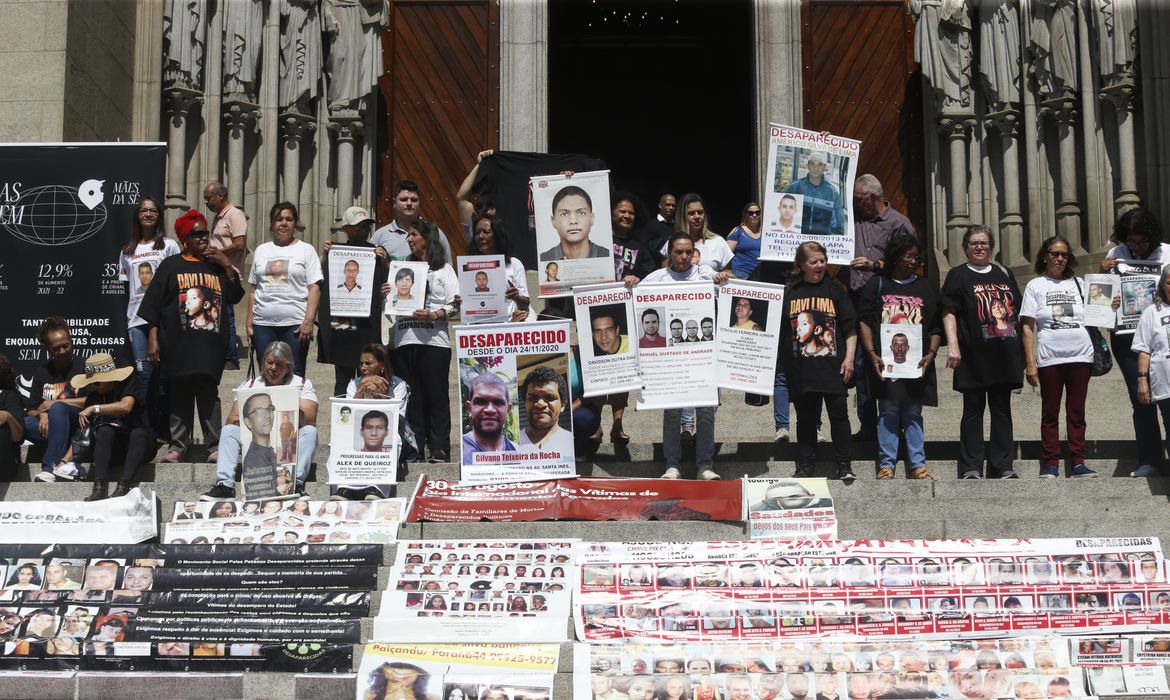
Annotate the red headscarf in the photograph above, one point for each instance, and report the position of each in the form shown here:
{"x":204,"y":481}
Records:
{"x":186,"y":222}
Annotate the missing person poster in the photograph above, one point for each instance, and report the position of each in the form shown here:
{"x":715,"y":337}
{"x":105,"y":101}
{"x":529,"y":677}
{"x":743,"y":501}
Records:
{"x":483,"y":282}
{"x":809,"y":193}
{"x":574,"y":235}
{"x":1100,"y":291}
{"x":126,"y":519}
{"x":351,"y":281}
{"x":516,"y":416}
{"x":1138,"y":280}
{"x":609,"y":359}
{"x":750,"y":314}
{"x":678,"y":371}
{"x":1141,"y":681}
{"x":408,"y":288}
{"x":458,"y":671}
{"x":901,"y":350}
{"x":285,"y":522}
{"x":269,"y":420}
{"x":363,"y":443}
{"x":782,"y":508}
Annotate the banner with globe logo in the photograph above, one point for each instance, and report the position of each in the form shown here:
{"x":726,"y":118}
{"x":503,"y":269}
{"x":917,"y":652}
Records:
{"x":66,"y":210}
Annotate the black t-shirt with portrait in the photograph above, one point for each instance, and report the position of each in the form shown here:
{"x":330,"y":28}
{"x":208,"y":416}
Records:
{"x":631,"y":258}
{"x":136,"y":418}
{"x":886,"y":301}
{"x":817,"y":318}
{"x":50,"y":383}
{"x":987,"y":315}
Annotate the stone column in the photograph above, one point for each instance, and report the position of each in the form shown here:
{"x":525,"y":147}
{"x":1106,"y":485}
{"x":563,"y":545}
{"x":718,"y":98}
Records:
{"x":294,"y":126}
{"x":778,"y":72}
{"x":1122,"y":96}
{"x":240,"y":116}
{"x":1011,"y":219}
{"x":524,"y":86}
{"x":1063,"y":110}
{"x":956,"y":128}
{"x":346,"y":127}
{"x":179,"y":103}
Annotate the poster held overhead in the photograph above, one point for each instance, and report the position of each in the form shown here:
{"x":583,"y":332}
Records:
{"x":574,"y":236}
{"x":269,"y":421}
{"x":609,"y":361}
{"x":681,"y":307}
{"x":750,"y":314}
{"x":351,"y":279}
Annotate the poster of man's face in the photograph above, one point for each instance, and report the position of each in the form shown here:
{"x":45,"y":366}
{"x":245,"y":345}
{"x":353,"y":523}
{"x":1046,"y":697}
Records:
{"x":374,"y":432}
{"x":748,"y":314}
{"x":145,"y":275}
{"x":276,"y":271}
{"x":269,"y":417}
{"x":573,"y":230}
{"x":609,"y":329}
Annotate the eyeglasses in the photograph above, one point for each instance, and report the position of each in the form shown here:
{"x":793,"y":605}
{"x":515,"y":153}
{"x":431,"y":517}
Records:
{"x":148,"y":211}
{"x":978,"y":244}
{"x":910,"y":257}
{"x":1058,"y":254}
{"x":263,"y":409}
{"x":754,"y":213}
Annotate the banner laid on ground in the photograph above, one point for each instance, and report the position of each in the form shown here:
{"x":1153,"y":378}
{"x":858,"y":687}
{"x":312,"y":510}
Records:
{"x":808,"y":194}
{"x":285,"y":522}
{"x":609,"y":361}
{"x":458,"y":672}
{"x":679,"y":373}
{"x":408,"y":288}
{"x":269,"y":419}
{"x":1099,"y":291}
{"x":750,"y":314}
{"x":574,"y":234}
{"x":516,"y":418}
{"x":1141,"y":681}
{"x":66,"y":210}
{"x":1138,"y":280}
{"x":785,"y":508}
{"x":483,"y":282}
{"x":123,"y":520}
{"x":443,"y":501}
{"x":351,"y":281}
{"x":363,"y":442}
{"x":477,"y":591}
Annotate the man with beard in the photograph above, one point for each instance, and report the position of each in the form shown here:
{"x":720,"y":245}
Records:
{"x":487,"y":411}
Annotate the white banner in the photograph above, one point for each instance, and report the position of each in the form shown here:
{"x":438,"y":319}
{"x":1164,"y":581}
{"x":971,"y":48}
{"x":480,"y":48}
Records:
{"x":609,"y":360}
{"x":351,"y":281}
{"x":124,"y":520}
{"x":458,"y":671}
{"x":780,"y":508}
{"x":750,"y":314}
{"x":808,"y":194}
{"x":408,"y":288}
{"x":363,"y":442}
{"x":682,"y":373}
{"x":574,"y":233}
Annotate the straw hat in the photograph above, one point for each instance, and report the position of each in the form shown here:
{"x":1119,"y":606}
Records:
{"x":100,"y":368}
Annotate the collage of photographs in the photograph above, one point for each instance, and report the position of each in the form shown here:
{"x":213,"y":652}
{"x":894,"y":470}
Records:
{"x":285,"y":522}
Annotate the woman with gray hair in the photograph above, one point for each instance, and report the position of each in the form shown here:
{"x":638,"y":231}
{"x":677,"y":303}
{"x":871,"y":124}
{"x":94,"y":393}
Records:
{"x":277,"y":370}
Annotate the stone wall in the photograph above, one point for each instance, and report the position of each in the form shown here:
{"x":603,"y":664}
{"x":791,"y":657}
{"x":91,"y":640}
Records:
{"x":99,"y":71}
{"x":32,"y":70}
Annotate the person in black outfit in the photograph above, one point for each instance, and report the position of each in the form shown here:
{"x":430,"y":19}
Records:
{"x":50,"y":416}
{"x":11,"y":425}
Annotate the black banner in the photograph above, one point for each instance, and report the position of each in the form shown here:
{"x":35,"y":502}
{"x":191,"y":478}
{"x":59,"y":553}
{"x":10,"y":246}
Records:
{"x":196,"y":554}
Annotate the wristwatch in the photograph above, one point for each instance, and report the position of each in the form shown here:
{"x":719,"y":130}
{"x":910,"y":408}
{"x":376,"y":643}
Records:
{"x":1143,"y":374}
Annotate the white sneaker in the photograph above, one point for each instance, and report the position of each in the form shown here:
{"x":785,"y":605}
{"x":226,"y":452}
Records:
{"x":708,"y":475}
{"x":781,"y":434}
{"x":821,"y":437}
{"x":68,"y":471}
{"x":45,"y":476}
{"x":672,"y":473}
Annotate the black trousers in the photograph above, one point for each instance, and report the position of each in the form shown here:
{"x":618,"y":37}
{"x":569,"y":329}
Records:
{"x":425,"y":370}
{"x":188,"y":394}
{"x":8,"y":453}
{"x":808,"y":414}
{"x":971,"y":448}
{"x":112,"y":446}
{"x":342,"y":375}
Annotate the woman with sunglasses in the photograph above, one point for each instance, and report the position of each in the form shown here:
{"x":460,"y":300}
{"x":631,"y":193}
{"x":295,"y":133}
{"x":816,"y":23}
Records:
{"x":744,"y":241}
{"x":1058,"y":354}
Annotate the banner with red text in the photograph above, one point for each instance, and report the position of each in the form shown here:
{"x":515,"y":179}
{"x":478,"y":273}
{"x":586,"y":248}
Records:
{"x":681,"y":373}
{"x":609,"y":360}
{"x":750,"y":314}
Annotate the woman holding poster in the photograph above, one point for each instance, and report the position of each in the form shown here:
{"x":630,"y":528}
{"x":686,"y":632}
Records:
{"x":1151,"y":344}
{"x":900,"y":298}
{"x":817,"y":346}
{"x":491,"y":238}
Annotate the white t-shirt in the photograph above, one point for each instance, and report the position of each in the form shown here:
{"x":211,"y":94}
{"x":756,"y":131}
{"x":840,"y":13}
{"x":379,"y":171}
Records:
{"x":1159,"y":254}
{"x":282,"y":275}
{"x":1151,"y":338}
{"x":131,"y":270}
{"x":713,"y":252}
{"x":1059,"y":311}
{"x":308,"y":393}
{"x":442,"y":288}
{"x":519,"y":279}
{"x":696,"y":273}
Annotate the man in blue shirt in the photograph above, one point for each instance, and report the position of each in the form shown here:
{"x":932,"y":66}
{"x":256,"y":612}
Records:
{"x":824,"y":212}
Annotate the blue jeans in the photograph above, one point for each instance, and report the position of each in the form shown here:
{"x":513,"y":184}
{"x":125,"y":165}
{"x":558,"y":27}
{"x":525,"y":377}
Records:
{"x":229,"y":453}
{"x":586,"y":421}
{"x":893,"y":416}
{"x":704,"y":436}
{"x":62,"y":425}
{"x":233,"y":350}
{"x":263,"y":336}
{"x":780,"y":402}
{"x":1145,"y":416}
{"x":150,"y":383}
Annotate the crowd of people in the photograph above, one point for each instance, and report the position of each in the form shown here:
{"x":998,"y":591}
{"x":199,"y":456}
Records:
{"x":182,"y":294}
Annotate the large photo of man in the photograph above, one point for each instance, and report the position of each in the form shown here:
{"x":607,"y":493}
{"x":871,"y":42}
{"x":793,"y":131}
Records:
{"x":488,"y":406}
{"x":546,"y":395}
{"x":574,"y":231}
{"x":572,"y":219}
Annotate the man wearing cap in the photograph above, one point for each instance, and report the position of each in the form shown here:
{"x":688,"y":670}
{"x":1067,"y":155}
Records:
{"x":229,"y":235}
{"x":824,"y":212}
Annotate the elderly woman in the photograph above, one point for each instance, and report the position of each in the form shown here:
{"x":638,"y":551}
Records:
{"x":277,"y":370}
{"x":490,"y":237}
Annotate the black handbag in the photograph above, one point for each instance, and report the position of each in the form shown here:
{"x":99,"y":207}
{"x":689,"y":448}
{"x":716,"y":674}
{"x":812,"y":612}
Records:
{"x":83,"y":444}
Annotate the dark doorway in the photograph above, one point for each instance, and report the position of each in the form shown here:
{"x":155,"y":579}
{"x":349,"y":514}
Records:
{"x":663,"y":91}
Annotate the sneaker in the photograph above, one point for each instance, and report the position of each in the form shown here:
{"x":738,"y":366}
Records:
{"x":45,"y":476}
{"x":971,"y":474}
{"x":1082,"y":472}
{"x":219,"y":492}
{"x":920,"y":474}
{"x":1008,"y":473}
{"x":845,"y":473}
{"x":708,"y":475}
{"x":885,"y":474}
{"x":299,"y":489}
{"x":804,"y":472}
{"x":1145,"y":471}
{"x":68,"y":471}
{"x":438,"y":457}
{"x":671,"y":473}
{"x":344,"y":494}
{"x":782,"y":435}
{"x":173,"y":456}
{"x":1050,"y":471}
{"x":821,"y":436}
{"x":370,"y":493}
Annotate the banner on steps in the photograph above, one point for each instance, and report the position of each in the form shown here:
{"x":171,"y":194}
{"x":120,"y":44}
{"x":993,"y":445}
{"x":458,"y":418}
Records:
{"x":123,"y":520}
{"x":458,"y":671}
{"x":285,"y":522}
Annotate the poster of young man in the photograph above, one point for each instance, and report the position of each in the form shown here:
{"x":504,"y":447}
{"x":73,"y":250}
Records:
{"x":516,"y":416}
{"x":901,"y":349}
{"x":789,"y":508}
{"x":609,"y":360}
{"x":408,"y":288}
{"x":1138,"y":281}
{"x":269,"y":420}
{"x":458,"y":671}
{"x":681,"y":373}
{"x":363,"y":444}
{"x":750,"y":314}
{"x":1099,"y":292}
{"x":483,"y":282}
{"x":808,"y":194}
{"x":574,"y":235}
{"x":351,"y":281}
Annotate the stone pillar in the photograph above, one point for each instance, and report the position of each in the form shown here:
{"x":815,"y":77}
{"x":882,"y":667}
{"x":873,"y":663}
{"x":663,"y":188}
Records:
{"x":1068,"y":209}
{"x":524,"y":85}
{"x":240,"y":116}
{"x":956,"y":128}
{"x":179,"y":103}
{"x":294,"y":126}
{"x":346,"y":127}
{"x":1011,"y":218}
{"x":778,"y":72}
{"x":1122,"y":96}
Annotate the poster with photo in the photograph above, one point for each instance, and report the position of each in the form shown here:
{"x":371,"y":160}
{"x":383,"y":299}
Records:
{"x":363,"y":442}
{"x":901,"y":349}
{"x":515,"y":417}
{"x":1141,"y":681}
{"x":789,"y":508}
{"x":747,"y":336}
{"x":458,"y":671}
{"x":1099,"y":291}
{"x":574,"y":234}
{"x":125,"y":519}
{"x":285,"y":522}
{"x":678,"y":370}
{"x":609,"y":359}
{"x":1151,"y":648}
{"x":1100,"y":651}
{"x":351,"y":281}
{"x":1137,"y":280}
{"x":269,"y":420}
{"x":408,"y":288}
{"x":483,"y":283}
{"x":808,"y":195}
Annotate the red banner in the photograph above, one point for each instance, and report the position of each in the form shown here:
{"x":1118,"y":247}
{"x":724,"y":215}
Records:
{"x":577,"y":499}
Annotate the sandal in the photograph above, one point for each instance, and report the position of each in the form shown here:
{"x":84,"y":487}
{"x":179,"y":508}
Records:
{"x":597,"y":437}
{"x":617,"y":436}
{"x":920,"y":473}
{"x":885,"y":474}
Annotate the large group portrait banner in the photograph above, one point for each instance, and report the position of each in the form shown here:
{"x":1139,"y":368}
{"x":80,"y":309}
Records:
{"x":516,"y":417}
{"x":363,"y":441}
{"x":269,"y":421}
{"x":483,"y":283}
{"x":1138,"y":282}
{"x":609,"y":361}
{"x":678,"y":369}
{"x":574,"y":234}
{"x":66,"y":210}
{"x":351,"y":281}
{"x":746,"y":342}
{"x":808,"y":194}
